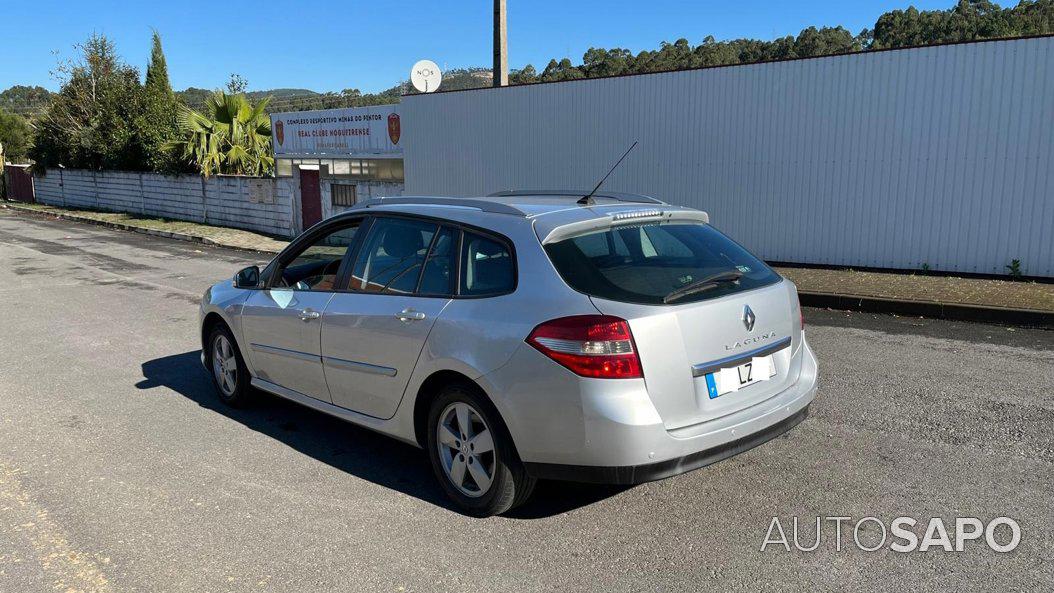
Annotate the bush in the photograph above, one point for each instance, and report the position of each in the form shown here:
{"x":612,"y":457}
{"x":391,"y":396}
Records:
{"x":91,"y":123}
{"x":15,"y":136}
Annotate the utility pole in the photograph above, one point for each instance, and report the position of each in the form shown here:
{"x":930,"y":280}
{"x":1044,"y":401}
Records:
{"x":501,"y":45}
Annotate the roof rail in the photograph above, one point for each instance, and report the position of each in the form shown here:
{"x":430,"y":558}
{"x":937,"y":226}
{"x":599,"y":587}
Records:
{"x":484,"y":205}
{"x":577,"y":193}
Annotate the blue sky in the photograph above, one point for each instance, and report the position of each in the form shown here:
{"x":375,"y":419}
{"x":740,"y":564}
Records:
{"x":371,"y":45}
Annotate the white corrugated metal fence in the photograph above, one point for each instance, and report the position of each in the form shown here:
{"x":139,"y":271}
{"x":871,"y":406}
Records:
{"x":937,"y":157}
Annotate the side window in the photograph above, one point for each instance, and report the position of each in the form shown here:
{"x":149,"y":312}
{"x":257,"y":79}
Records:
{"x":391,"y":258}
{"x":316,"y":267}
{"x":646,"y":246}
{"x":603,"y":245}
{"x":438,"y":275}
{"x":486,"y":266}
{"x":661,"y":241}
{"x":618,"y":245}
{"x":593,"y":245}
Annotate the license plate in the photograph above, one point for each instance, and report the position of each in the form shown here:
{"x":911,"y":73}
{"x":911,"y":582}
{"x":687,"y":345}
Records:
{"x":760,"y":368}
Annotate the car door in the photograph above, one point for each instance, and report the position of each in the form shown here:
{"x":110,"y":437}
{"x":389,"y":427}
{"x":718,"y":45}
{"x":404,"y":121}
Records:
{"x":373,"y":333}
{"x":282,"y":324}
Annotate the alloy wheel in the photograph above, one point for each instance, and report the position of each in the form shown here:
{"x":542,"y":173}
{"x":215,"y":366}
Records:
{"x":466,"y":449}
{"x":224,"y":365}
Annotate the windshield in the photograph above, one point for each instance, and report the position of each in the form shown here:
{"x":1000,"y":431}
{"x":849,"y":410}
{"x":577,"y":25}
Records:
{"x":658,"y":264}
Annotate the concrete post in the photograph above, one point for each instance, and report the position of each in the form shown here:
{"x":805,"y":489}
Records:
{"x":142,"y":197}
{"x":501,"y":45}
{"x":204,"y":207}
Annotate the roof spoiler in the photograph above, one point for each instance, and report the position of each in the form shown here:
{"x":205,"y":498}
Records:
{"x":600,"y":223}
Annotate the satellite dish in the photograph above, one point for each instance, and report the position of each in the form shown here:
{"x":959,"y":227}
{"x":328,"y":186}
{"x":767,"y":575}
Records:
{"x":425,"y":76}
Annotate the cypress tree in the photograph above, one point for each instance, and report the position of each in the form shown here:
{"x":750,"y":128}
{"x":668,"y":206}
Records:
{"x":158,"y":125}
{"x":157,"y":72}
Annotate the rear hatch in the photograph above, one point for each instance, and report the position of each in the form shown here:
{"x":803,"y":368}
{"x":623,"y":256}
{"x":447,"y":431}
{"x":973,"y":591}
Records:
{"x":696,"y":303}
{"x":680,"y":345}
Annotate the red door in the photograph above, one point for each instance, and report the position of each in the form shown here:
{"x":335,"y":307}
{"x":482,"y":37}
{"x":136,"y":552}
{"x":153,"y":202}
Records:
{"x":310,"y":197}
{"x":19,"y":183}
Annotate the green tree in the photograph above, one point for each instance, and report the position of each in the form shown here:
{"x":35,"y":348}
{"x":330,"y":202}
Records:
{"x":968,"y":20}
{"x":525,"y":75}
{"x":1033,"y":17}
{"x":15,"y":136}
{"x":606,"y":62}
{"x":91,"y":122}
{"x":157,"y":71}
{"x":824,"y":42}
{"x":562,"y":70}
{"x":157,"y":125}
{"x":237,"y":84}
{"x":232,"y":136}
{"x":714,"y":53}
{"x":193,"y":97}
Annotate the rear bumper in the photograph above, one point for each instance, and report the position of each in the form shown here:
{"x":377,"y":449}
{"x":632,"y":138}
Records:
{"x":638,"y":474}
{"x":592,"y":430}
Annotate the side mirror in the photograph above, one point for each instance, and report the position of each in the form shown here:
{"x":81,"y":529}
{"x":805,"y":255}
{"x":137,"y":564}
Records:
{"x":247,"y":278}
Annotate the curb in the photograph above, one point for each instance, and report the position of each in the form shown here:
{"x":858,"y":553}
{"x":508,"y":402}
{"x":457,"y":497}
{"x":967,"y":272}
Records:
{"x":135,"y":229}
{"x":953,"y":311}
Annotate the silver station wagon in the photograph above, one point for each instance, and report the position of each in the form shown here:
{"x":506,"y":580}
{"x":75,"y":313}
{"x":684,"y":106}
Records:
{"x":522,"y":336}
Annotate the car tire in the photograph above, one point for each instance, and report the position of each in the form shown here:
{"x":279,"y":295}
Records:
{"x":495,"y":463}
{"x":223,"y":357}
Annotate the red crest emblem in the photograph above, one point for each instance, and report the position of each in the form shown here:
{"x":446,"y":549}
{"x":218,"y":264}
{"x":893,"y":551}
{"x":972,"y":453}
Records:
{"x":279,"y":132}
{"x":394,"y":128}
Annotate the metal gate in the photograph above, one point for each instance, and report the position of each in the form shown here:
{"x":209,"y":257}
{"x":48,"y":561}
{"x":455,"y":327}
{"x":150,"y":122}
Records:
{"x":19,"y":183}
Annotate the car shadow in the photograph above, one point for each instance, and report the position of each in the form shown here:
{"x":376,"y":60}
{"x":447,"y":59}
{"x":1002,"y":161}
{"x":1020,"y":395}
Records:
{"x":347,"y":447}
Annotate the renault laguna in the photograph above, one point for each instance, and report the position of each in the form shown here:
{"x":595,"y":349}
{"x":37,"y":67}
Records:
{"x":527,"y":335}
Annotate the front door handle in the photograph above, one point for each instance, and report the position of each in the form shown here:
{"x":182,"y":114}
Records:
{"x":410,"y":315}
{"x":308,"y":315}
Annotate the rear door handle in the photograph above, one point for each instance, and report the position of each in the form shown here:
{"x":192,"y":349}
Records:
{"x":308,"y":315}
{"x":410,"y":315}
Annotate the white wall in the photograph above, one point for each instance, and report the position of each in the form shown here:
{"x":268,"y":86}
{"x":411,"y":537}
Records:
{"x":364,"y":190}
{"x":223,"y":201}
{"x":939,"y":156}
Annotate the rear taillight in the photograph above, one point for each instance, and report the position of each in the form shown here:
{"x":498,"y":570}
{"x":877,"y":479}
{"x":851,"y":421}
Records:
{"x":599,"y":346}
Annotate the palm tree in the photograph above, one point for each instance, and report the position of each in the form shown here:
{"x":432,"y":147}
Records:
{"x":231,"y":137}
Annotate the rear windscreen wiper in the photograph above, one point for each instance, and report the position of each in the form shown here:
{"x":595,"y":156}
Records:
{"x":705,"y":284}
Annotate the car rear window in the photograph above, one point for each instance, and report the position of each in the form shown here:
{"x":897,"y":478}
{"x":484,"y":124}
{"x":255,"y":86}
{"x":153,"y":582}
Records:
{"x":658,"y":264}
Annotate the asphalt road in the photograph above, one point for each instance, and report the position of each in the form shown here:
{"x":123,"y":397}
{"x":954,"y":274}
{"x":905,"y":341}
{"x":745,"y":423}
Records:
{"x":120,"y":471}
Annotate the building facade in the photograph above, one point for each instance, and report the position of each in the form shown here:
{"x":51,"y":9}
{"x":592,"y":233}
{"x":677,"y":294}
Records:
{"x":337,"y":157}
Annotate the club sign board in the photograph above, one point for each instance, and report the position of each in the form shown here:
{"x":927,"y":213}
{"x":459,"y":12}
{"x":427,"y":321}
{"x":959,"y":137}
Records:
{"x":357,"y":131}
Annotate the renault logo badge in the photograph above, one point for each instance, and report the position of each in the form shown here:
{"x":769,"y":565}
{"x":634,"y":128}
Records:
{"x":748,"y":318}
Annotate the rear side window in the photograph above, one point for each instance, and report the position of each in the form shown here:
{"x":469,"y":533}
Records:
{"x":658,"y":264}
{"x":486,"y":266}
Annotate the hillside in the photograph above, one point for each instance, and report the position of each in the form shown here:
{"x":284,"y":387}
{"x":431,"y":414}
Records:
{"x":293,"y":99}
{"x":23,"y":100}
